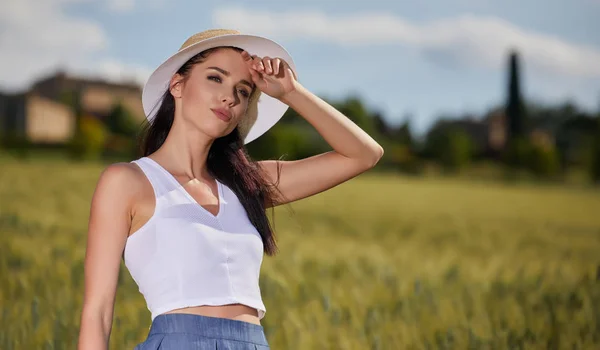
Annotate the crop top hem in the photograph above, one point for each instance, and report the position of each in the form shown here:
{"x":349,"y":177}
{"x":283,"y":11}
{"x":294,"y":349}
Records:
{"x":212,"y":302}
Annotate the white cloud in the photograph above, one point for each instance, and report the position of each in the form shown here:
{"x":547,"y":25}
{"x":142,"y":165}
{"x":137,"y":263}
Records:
{"x":128,"y":6}
{"x":115,"y":70}
{"x":468,"y":39}
{"x":37,"y":37}
{"x":121,"y":6}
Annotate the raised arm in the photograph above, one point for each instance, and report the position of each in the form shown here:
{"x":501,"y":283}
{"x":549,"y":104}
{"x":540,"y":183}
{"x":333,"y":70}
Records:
{"x":354,"y":151}
{"x":109,"y":223}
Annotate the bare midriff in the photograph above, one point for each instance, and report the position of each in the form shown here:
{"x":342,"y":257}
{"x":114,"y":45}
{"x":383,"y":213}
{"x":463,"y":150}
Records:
{"x":237,"y":312}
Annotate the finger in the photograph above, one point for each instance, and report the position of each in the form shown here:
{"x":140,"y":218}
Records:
{"x":257,"y":63}
{"x":260,"y":66}
{"x":267,"y":63}
{"x":255,"y":76}
{"x":286,"y":67}
{"x":255,"y":71}
{"x":246,"y":56}
{"x":276,"y":65}
{"x":248,"y":59}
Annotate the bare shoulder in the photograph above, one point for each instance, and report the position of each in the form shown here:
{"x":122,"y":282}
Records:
{"x":121,"y":175}
{"x":120,"y":180}
{"x":122,"y":171}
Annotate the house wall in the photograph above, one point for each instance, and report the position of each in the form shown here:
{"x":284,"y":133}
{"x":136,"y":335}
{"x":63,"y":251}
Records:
{"x":496,"y":131}
{"x":101,"y":100}
{"x":48,"y":121}
{"x":97,"y":97}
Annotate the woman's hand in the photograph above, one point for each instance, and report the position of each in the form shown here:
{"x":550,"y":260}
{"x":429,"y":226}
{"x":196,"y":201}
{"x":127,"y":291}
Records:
{"x":273,"y":76}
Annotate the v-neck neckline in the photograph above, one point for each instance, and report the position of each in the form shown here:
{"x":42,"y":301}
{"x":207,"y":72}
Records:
{"x":189,"y":196}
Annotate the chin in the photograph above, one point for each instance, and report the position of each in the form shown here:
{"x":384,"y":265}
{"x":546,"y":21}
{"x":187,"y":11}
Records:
{"x":214,"y":131}
{"x":211,"y":126}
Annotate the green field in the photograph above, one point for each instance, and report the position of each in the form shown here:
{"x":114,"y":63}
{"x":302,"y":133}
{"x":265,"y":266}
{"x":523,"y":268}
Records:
{"x":380,"y":262}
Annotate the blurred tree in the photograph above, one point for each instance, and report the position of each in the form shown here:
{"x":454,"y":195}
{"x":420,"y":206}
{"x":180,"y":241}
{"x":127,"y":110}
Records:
{"x":120,"y":147}
{"x":542,"y":159}
{"x":89,"y":140}
{"x":356,"y":111}
{"x":403,"y":135}
{"x":595,"y":158}
{"x":123,"y":128}
{"x":517,"y":153}
{"x":121,"y":121}
{"x":575,"y":140}
{"x":452,"y":147}
{"x":515,"y":108}
{"x":17,"y":143}
{"x":535,"y":154}
{"x":400,"y":157}
{"x":457,"y":150}
{"x":572,"y":128}
{"x":288,"y":141}
{"x":15,"y":137}
{"x":381,"y":125}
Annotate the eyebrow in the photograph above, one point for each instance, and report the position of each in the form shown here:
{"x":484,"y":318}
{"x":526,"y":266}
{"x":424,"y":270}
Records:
{"x":226,"y":73}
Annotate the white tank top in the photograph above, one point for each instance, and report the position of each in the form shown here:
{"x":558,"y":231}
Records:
{"x":186,"y":256}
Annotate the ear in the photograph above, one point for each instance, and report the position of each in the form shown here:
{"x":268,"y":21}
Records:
{"x":176,"y":85}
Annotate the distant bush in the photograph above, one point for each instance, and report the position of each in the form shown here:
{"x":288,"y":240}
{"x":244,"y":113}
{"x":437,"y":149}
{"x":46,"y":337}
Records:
{"x":121,"y":121}
{"x":595,"y":158}
{"x":120,"y":147}
{"x":288,"y":141}
{"x":457,"y":150}
{"x":543,"y":161}
{"x":89,"y":139}
{"x":450,"y":146}
{"x":517,"y":153}
{"x":535,"y":154}
{"x":401,"y":157}
{"x":17,"y":144}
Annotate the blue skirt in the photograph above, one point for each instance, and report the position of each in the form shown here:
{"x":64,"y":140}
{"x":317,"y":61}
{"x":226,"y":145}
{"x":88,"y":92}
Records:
{"x":195,"y":332}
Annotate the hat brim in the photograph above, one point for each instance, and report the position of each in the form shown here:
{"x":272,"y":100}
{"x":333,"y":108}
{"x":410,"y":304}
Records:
{"x":270,"y":110}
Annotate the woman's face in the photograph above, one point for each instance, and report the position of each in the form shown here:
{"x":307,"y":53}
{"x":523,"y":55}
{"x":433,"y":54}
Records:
{"x":214,"y":96}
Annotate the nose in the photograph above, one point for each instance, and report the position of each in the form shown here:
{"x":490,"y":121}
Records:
{"x":228,"y":97}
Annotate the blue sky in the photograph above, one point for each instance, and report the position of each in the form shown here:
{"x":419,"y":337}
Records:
{"x":407,"y":59}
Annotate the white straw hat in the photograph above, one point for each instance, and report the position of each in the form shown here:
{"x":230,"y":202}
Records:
{"x":263,"y":110}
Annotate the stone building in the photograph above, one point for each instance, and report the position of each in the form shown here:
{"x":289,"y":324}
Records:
{"x":45,"y":113}
{"x":36,"y":119}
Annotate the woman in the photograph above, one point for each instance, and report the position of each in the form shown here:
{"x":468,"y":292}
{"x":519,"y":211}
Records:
{"x":189,"y":216}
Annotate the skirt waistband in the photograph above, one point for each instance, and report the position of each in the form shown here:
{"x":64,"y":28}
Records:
{"x":210,"y":327}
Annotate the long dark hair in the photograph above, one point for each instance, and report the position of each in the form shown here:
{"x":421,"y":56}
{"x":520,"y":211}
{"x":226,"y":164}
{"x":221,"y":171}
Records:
{"x":228,"y":161}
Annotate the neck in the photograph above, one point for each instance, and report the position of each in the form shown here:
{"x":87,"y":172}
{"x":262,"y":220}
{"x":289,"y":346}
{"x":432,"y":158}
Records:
{"x":185,"y":151}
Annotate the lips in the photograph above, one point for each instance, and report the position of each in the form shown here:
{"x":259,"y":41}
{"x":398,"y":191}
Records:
{"x":222,"y":114}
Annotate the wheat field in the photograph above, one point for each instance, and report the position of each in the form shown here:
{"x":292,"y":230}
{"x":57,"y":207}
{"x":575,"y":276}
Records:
{"x":380,"y":262}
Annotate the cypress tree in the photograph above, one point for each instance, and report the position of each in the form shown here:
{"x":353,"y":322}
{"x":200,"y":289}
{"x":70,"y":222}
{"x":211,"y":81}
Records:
{"x":515,"y":110}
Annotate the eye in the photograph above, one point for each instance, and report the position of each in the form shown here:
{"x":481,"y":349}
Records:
{"x":215,"y":78}
{"x":244,"y":93}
